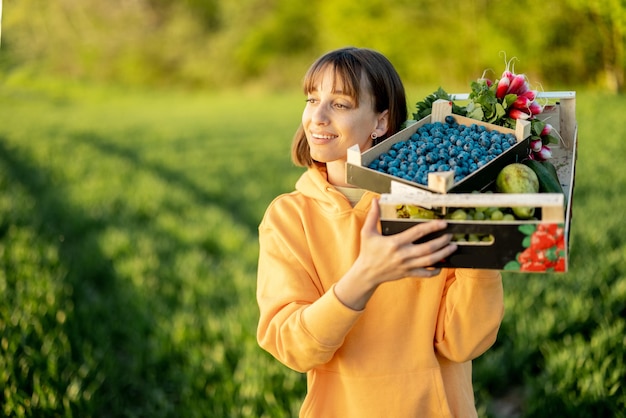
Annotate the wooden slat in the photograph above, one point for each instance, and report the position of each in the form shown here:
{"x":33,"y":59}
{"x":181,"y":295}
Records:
{"x":552,"y":204}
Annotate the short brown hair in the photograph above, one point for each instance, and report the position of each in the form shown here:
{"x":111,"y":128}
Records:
{"x":350,"y":64}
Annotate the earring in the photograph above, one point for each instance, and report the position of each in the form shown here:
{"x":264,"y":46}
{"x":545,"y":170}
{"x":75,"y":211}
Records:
{"x":374,"y":135}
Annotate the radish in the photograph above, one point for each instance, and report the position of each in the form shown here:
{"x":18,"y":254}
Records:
{"x":547,"y":130}
{"x":503,"y":86}
{"x":544,"y":154}
{"x":522,"y":102}
{"x":531,"y":94}
{"x":536,"y":145}
{"x":518,"y":114}
{"x":508,"y":74}
{"x":535,"y":108}
{"x":518,"y":85}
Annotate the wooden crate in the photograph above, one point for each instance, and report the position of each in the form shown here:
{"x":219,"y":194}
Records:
{"x":515,"y":244}
{"x":359,"y":174}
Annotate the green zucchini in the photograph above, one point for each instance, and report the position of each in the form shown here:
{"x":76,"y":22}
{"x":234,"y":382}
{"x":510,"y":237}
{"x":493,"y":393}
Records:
{"x":548,"y":179}
{"x":551,"y":168}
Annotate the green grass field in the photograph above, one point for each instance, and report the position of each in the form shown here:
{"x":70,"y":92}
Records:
{"x":128,"y":245}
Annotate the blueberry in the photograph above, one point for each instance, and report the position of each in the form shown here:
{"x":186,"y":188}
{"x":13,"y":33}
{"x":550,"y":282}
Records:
{"x":450,"y":119}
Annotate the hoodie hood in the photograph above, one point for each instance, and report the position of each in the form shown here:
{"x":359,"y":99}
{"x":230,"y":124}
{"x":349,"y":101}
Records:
{"x":314,"y":184}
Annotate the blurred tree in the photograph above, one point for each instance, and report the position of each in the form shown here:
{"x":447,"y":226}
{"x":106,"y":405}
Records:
{"x":213,"y":43}
{"x":609,"y":19}
{"x":282,"y":29}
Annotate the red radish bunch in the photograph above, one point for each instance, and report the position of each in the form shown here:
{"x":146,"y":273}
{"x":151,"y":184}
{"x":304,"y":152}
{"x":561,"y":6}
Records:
{"x":524,"y":105}
{"x":519,"y":101}
{"x":539,"y":141}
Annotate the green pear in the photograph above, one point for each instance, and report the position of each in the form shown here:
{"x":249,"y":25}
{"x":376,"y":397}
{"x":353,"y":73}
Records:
{"x":518,"y":178}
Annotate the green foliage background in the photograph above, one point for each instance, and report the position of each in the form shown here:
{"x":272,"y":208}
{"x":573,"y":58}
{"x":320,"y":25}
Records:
{"x":217,"y":43}
{"x":139,"y":147}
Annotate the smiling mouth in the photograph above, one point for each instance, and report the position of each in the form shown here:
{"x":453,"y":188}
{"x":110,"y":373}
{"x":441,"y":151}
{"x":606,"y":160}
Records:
{"x":322,"y":138}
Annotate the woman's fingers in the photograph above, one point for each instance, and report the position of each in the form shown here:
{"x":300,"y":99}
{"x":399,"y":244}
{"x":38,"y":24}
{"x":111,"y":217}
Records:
{"x":429,"y":253}
{"x":420,"y":230}
{"x":396,"y":256}
{"x":370,"y":226}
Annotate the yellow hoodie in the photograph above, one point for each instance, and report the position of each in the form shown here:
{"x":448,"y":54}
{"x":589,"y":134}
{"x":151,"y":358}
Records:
{"x":407,"y":354}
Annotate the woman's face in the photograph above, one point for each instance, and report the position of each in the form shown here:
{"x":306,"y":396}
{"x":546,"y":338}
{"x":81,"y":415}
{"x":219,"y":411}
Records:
{"x":333,"y":122}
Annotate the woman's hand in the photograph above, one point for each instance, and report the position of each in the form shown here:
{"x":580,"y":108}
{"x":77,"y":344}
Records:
{"x":387,"y":258}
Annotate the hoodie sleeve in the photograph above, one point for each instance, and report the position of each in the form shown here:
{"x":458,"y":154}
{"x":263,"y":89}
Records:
{"x":301,"y":324}
{"x":470,"y":314}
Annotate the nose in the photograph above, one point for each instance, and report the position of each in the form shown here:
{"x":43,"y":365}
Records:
{"x":319,"y":114}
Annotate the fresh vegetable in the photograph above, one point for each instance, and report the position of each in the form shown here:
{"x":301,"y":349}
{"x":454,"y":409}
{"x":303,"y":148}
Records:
{"x":548,"y":179}
{"x":424,"y":108}
{"x":415,"y":212}
{"x":518,"y":178}
{"x":503,"y":87}
{"x":502,"y":102}
{"x":552,"y":169}
{"x":408,"y":211}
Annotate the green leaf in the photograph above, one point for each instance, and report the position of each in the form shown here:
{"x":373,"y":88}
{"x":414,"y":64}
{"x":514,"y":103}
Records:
{"x":551,"y":254}
{"x":424,"y":107}
{"x":527,"y":229}
{"x":509,"y":99}
{"x":475,"y":111}
{"x":512,"y":266}
{"x":500,"y":111}
{"x":551,"y":139}
{"x":536,"y":126}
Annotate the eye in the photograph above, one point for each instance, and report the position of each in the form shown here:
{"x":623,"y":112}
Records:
{"x":311,"y":100}
{"x":342,"y":105}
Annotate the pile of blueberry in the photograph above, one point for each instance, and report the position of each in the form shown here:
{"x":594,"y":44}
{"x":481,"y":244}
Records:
{"x":442,"y":147}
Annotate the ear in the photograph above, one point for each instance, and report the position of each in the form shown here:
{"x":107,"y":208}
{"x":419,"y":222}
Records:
{"x":382,"y":123}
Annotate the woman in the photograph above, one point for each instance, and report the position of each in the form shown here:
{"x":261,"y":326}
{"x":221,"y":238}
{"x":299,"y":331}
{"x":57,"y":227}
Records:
{"x":377,"y":330}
